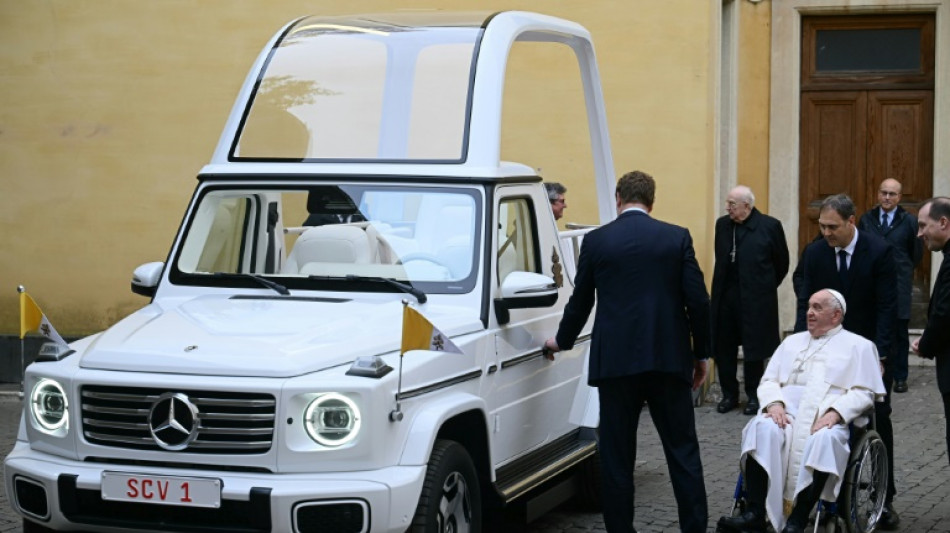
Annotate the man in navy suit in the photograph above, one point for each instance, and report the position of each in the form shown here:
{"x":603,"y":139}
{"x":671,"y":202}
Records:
{"x":860,"y":266}
{"x":934,"y":343}
{"x":649,"y":345}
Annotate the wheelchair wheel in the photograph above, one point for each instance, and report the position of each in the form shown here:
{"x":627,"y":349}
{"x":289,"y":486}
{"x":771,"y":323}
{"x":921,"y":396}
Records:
{"x":865,"y":484}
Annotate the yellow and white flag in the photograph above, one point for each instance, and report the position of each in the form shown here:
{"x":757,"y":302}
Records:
{"x":33,"y":319}
{"x":419,"y":334}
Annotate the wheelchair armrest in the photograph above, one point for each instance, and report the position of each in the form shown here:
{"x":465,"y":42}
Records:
{"x":861,"y":421}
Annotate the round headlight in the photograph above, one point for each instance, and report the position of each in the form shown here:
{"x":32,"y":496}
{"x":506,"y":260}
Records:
{"x":49,"y":405}
{"x":332,"y":419}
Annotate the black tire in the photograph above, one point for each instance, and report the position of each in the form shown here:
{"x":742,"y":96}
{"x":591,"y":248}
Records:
{"x":865,"y":484}
{"x":451,"y":500}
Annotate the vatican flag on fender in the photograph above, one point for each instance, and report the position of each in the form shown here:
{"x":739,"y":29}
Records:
{"x":33,"y":319}
{"x":419,"y":334}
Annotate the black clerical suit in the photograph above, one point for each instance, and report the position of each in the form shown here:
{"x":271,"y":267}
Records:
{"x":934,"y":343}
{"x":651,"y":324}
{"x":751,"y":262}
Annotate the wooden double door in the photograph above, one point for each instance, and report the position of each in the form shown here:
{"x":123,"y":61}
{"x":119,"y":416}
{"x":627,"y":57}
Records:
{"x":867,"y":99}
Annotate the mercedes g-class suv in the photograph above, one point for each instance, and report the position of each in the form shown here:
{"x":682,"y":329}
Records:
{"x":264,"y":388}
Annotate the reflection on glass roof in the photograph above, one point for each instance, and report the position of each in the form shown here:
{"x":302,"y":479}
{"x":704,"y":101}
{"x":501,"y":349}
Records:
{"x":386,"y":88}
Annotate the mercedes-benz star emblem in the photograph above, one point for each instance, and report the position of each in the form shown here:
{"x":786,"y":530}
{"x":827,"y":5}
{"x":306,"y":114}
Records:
{"x":173,"y":421}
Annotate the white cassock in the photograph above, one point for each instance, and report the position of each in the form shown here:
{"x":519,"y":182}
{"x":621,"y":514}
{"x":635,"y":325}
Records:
{"x":839,"y":371}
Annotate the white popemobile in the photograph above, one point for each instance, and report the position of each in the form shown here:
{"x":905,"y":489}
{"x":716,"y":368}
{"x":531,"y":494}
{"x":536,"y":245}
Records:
{"x":263,"y":387}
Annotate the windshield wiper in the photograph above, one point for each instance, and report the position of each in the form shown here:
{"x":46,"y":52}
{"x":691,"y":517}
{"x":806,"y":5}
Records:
{"x":277,"y":287}
{"x":404,"y":287}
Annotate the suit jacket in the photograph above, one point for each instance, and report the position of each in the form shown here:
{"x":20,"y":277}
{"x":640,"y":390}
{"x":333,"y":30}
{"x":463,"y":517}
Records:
{"x":935,"y":341}
{"x":871,"y":294}
{"x":652,"y":305}
{"x":762,"y":262}
{"x":902,"y":235}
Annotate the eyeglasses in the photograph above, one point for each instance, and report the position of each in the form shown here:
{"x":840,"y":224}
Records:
{"x":732,"y":203}
{"x":558,"y":201}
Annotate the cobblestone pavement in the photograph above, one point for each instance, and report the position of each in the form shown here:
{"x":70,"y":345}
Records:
{"x":922,"y":471}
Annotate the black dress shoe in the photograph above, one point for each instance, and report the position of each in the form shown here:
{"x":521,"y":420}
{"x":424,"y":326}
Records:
{"x":900,"y":386}
{"x":747,"y":521}
{"x":889,"y":518}
{"x":726,"y":405}
{"x":751,"y":408}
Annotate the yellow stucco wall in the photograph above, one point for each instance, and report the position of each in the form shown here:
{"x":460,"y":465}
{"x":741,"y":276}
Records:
{"x":752,"y":164}
{"x":110,"y":108}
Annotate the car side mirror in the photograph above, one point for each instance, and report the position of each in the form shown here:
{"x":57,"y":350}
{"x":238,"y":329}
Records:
{"x":145,"y":278}
{"x":523,"y":290}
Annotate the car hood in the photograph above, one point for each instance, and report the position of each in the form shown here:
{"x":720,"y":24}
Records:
{"x":266,"y":337}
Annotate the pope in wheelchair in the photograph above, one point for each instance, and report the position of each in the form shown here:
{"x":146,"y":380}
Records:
{"x":796,"y":450}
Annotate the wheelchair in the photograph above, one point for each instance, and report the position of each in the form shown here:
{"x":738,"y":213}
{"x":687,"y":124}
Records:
{"x":864,"y":487}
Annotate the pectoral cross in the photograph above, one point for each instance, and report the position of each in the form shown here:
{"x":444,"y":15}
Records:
{"x":732,"y":253}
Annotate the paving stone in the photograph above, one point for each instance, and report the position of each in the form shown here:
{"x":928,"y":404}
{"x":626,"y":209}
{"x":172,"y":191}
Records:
{"x":921,"y":470}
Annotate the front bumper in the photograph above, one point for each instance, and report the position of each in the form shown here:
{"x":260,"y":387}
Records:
{"x":66,"y":494}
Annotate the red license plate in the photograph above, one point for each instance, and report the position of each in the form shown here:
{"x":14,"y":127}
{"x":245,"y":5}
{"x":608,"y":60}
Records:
{"x":163,"y":490}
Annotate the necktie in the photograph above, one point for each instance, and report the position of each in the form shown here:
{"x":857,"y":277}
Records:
{"x":883,"y":219}
{"x":843,"y":267}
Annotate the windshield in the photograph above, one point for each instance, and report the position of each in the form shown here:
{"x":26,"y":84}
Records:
{"x":370,"y":88}
{"x":336,"y":237}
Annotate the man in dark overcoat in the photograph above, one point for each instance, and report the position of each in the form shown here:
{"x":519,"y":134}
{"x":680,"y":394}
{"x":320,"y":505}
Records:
{"x":891,"y":222}
{"x":751,"y":262}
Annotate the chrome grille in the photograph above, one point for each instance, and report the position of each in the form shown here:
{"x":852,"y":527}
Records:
{"x":228,"y":422}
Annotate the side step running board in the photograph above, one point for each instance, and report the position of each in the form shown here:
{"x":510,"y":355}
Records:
{"x":529,"y":472}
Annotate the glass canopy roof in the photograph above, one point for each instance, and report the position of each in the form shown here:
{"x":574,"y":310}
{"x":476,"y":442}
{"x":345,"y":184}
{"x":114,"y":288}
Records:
{"x":393,"y":87}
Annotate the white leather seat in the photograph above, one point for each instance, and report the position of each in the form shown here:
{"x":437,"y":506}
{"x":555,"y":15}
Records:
{"x":333,"y":243}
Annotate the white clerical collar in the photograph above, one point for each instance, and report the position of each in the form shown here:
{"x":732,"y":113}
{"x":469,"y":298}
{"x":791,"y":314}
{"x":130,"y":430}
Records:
{"x":850,"y":247}
{"x":831,"y":333}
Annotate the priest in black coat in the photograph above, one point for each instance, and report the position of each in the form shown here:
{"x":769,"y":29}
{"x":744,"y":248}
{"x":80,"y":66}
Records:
{"x":934,"y":343}
{"x":751,"y":262}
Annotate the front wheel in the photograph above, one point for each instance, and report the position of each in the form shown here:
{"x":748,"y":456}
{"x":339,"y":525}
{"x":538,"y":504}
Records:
{"x":451,"y":498}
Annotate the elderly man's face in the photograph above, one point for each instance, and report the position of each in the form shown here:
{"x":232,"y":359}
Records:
{"x":822,"y":315}
{"x":736,"y":206}
{"x":836,"y":230}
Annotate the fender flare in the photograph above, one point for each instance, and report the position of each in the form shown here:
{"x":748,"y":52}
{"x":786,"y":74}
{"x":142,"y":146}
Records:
{"x":426,"y":424}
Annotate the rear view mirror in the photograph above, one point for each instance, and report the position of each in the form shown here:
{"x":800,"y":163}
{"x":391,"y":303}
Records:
{"x":145,"y":278}
{"x":523,"y":290}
